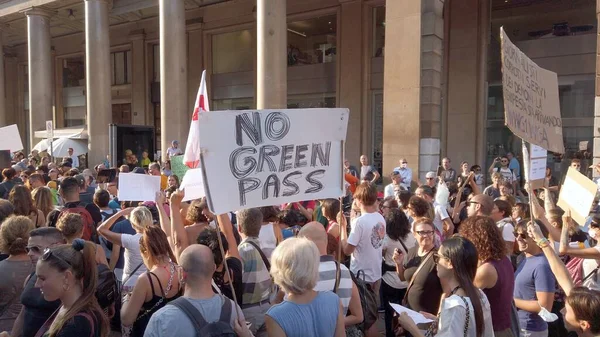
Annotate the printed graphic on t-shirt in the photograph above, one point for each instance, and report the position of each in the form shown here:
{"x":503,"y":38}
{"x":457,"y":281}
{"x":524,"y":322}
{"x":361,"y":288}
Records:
{"x":377,"y":235}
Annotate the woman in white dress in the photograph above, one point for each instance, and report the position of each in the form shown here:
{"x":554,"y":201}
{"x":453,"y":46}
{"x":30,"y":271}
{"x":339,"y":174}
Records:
{"x":465,"y":310}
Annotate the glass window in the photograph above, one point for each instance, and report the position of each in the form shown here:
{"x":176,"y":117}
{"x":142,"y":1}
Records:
{"x":311,"y":101}
{"x":233,"y":104}
{"x":73,"y":72}
{"x":233,"y":52}
{"x":312,"y":41}
{"x":121,"y":65}
{"x":378,"y":31}
{"x":156,"y":68}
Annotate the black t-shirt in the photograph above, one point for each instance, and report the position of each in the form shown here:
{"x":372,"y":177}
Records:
{"x":235,"y":267}
{"x":36,"y":310}
{"x":91,"y":208}
{"x":426,"y":290}
{"x":80,"y":326}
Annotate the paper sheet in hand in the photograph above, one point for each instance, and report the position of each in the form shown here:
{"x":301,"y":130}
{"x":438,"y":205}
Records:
{"x":193,"y":184}
{"x":577,"y":194}
{"x":417,"y":317}
{"x":138,"y":187}
{"x":10,"y":138}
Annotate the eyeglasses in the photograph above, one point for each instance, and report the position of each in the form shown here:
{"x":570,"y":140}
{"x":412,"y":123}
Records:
{"x":523,"y":236}
{"x":48,"y":254}
{"x":425,"y":233}
{"x":429,"y":178}
{"x":403,"y":162}
{"x":472,"y":202}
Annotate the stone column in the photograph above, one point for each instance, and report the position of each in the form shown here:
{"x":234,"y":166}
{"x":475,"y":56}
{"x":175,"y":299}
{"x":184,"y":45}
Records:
{"x":350,"y":58}
{"x":40,"y":69}
{"x":97,"y":79}
{"x":3,"y":109}
{"x":175,"y":115}
{"x":271,"y":70}
{"x":138,"y":82}
{"x":412,"y":86}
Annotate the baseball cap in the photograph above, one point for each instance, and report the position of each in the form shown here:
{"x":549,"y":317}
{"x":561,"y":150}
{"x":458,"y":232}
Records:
{"x":430,"y":174}
{"x":175,"y":142}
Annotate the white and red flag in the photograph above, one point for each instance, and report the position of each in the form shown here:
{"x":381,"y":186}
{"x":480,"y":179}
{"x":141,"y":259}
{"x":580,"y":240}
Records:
{"x":191,"y":157}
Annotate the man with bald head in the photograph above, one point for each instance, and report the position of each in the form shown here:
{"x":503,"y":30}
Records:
{"x":345,"y":288}
{"x":197,"y":264}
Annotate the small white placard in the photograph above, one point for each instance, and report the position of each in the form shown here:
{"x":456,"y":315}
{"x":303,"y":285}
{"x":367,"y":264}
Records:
{"x":416,"y":316}
{"x":193,"y":184}
{"x":10,"y":138}
{"x":138,"y":187}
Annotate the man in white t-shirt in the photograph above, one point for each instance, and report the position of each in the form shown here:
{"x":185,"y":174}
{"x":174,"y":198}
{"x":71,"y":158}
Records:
{"x":507,"y":174}
{"x":365,"y":242}
{"x":174,"y":150}
{"x":501,"y":214}
{"x":395,"y":187}
{"x":441,"y":220}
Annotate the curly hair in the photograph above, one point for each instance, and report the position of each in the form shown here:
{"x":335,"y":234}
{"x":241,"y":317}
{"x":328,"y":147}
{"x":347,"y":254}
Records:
{"x":194,"y":213}
{"x":483,"y":232}
{"x":14,"y":235}
{"x":71,"y":225}
{"x":208,"y":238}
{"x":397,"y":226}
{"x":419,"y":206}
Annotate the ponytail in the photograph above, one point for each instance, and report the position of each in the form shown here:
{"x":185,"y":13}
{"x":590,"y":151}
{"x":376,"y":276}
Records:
{"x":81,"y":255}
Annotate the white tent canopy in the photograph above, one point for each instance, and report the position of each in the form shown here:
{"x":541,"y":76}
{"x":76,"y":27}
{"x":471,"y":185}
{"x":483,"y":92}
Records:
{"x":61,"y":147}
{"x":74,"y":132}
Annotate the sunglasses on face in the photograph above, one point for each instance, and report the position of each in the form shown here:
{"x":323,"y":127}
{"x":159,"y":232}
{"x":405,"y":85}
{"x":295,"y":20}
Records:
{"x":34,"y":249}
{"x":523,"y":236}
{"x":403,"y":162}
{"x":425,"y":233}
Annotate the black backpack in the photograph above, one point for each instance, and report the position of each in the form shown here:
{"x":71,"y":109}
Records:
{"x":220,"y":328}
{"x":106,"y":289}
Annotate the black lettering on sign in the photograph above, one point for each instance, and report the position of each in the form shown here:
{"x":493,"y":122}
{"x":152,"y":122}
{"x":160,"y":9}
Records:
{"x":289,"y":183}
{"x":317,"y":152}
{"x":299,"y":162}
{"x":272,"y":180}
{"x":245,"y":186}
{"x":286,"y":154}
{"x":240,"y":166}
{"x":251,"y":128}
{"x":277,"y":126}
{"x":264,"y":154}
{"x":316,"y":184}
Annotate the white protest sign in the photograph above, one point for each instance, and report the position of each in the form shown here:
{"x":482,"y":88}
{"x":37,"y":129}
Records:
{"x":531,"y":106}
{"x":416,"y":316}
{"x":577,"y":194}
{"x":269,"y":157}
{"x":138,"y":187}
{"x":538,"y":152}
{"x":10,"y":139}
{"x":193,"y":184}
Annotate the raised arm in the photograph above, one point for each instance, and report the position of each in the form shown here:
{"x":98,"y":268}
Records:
{"x":178,"y":233}
{"x":165,"y":222}
{"x":227,"y":229}
{"x":558,"y":267}
{"x":549,"y":204}
{"x":538,"y":213}
{"x":104,"y":228}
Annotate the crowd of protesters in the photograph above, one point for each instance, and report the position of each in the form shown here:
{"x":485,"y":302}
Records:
{"x":78,"y":262}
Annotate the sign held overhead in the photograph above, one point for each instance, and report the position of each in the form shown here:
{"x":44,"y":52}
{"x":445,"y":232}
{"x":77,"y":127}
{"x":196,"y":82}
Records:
{"x":531,"y":105}
{"x":268,"y":157}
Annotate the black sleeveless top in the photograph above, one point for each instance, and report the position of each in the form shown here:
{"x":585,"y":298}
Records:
{"x":150,"y":307}
{"x":36,"y":310}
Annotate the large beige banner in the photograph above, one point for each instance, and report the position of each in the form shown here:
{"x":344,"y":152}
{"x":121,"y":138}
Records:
{"x":531,"y":105}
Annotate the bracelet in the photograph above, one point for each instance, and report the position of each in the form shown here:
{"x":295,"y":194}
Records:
{"x":543,"y":243}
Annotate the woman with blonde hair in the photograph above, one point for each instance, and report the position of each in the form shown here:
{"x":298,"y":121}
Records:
{"x":69,"y":273}
{"x":140,"y":218}
{"x":20,"y":197}
{"x":14,"y":235}
{"x":43,"y":200}
{"x":71,"y":226}
{"x":305,"y":312}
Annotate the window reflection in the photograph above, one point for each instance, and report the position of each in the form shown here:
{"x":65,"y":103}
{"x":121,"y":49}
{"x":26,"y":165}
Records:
{"x":312,"y":41}
{"x":378,"y":31}
{"x":233,"y":52}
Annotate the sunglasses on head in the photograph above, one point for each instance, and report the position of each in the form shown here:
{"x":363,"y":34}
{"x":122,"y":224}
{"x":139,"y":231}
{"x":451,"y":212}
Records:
{"x":48,"y":255}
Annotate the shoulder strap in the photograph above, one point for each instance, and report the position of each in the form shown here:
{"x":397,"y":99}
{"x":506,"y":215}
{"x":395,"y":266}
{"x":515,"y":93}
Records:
{"x":403,"y":246}
{"x":467,"y":318}
{"x":595,"y":271}
{"x":262,"y":255}
{"x":91,"y":320}
{"x":191,"y":312}
{"x":338,"y":271}
{"x":225,"y":310}
{"x":130,"y":275}
{"x":412,"y":280}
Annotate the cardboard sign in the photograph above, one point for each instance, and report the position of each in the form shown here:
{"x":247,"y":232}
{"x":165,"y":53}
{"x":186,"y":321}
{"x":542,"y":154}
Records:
{"x":138,"y":187}
{"x":10,"y":139}
{"x":270,"y":157}
{"x":192,"y":184}
{"x":577,"y":194}
{"x":531,"y":106}
{"x":178,"y":168}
